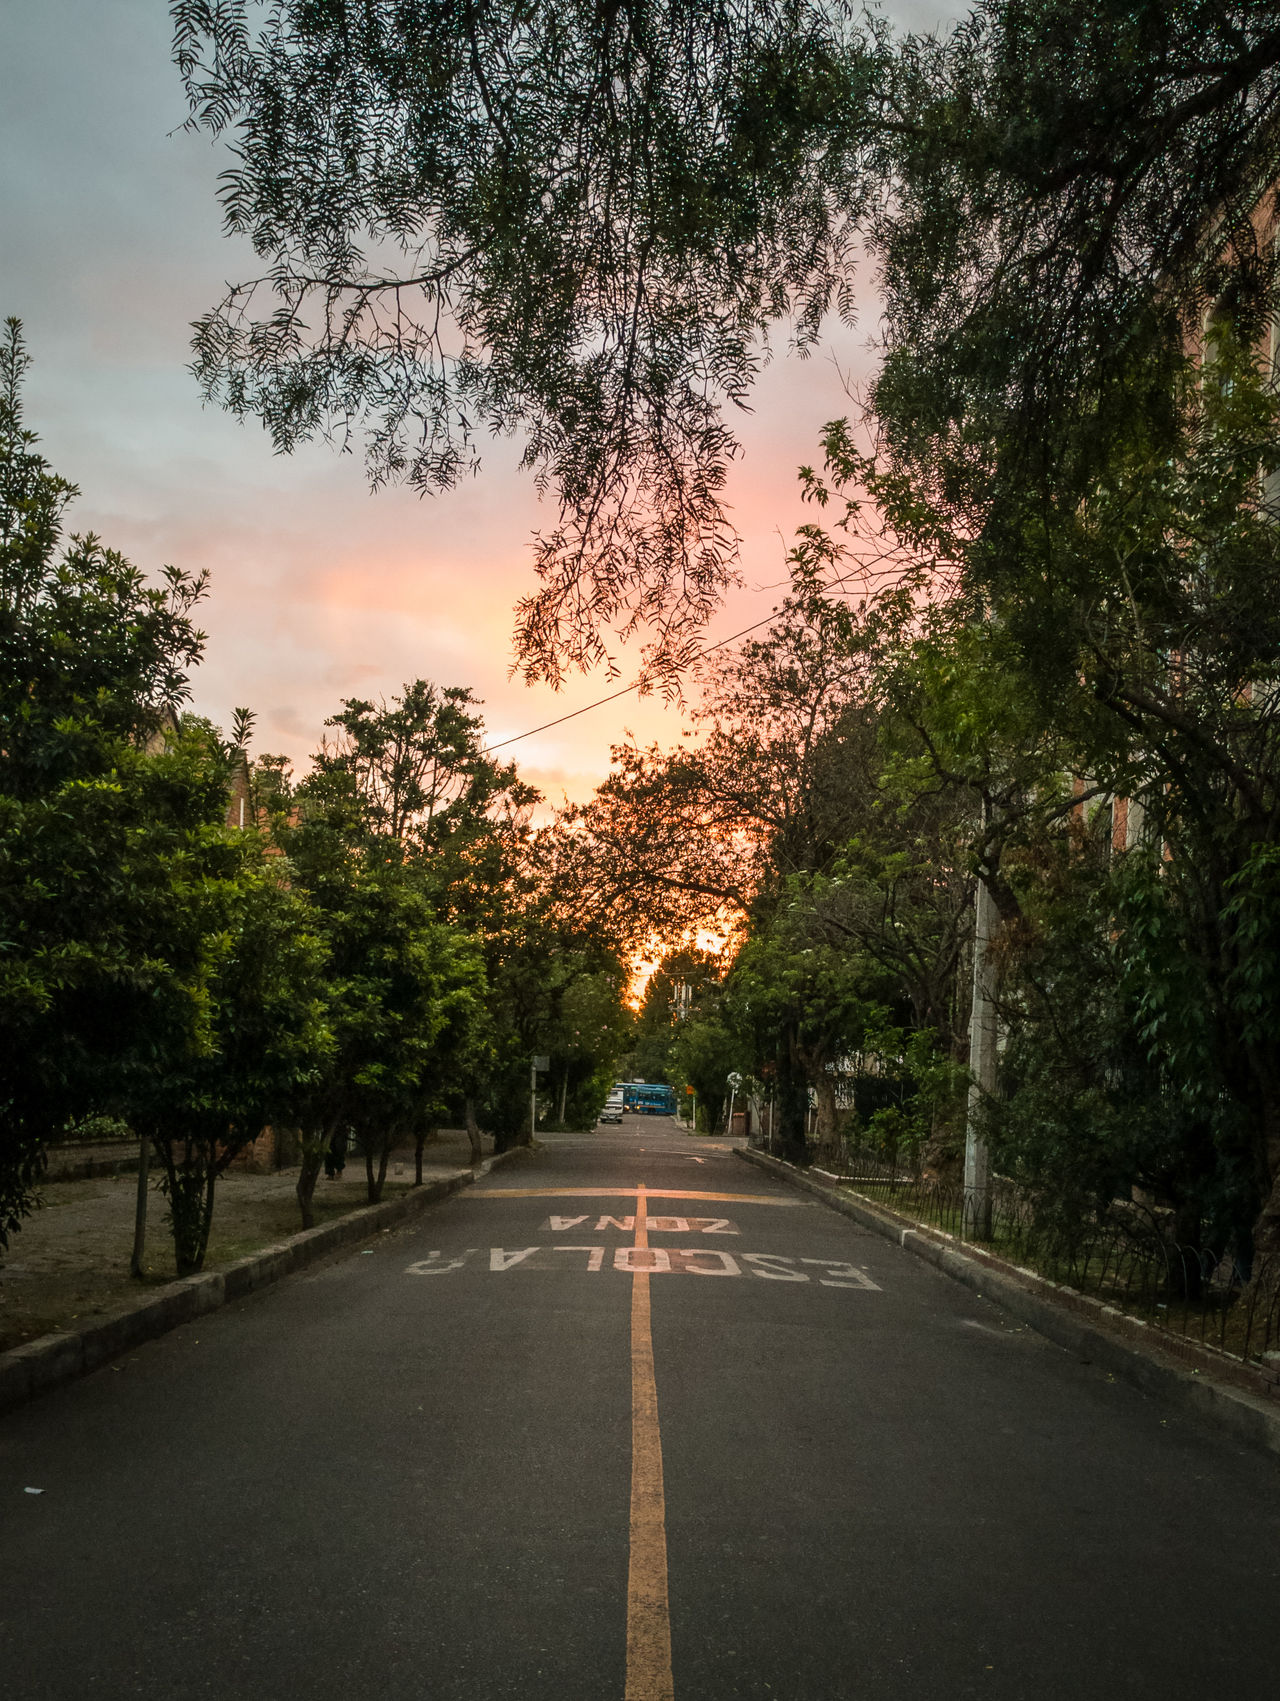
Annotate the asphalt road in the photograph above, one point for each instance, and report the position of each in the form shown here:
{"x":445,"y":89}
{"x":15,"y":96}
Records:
{"x":409,"y":1474}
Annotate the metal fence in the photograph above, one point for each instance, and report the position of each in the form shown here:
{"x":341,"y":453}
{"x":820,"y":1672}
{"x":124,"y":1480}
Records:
{"x":1126,"y":1258}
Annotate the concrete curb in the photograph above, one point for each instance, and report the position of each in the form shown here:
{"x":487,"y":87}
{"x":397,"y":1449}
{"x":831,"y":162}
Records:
{"x":1097,"y":1333}
{"x":60,"y":1357}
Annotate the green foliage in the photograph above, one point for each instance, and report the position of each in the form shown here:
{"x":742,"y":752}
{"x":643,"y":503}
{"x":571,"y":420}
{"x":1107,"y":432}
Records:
{"x":707,"y":1049}
{"x":378,"y":942}
{"x":1110,"y":1082}
{"x":108,"y":813}
{"x":591,"y":1033}
{"x":584,"y":223}
{"x":1074,"y":181}
{"x":569,"y":220}
{"x":668,"y":995}
{"x":403,"y":990}
{"x":262,"y":1041}
{"x":909,"y":1098}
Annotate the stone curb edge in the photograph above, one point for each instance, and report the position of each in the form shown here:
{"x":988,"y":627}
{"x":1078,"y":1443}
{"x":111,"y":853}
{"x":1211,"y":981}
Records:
{"x":62,"y":1356}
{"x":1060,"y":1315}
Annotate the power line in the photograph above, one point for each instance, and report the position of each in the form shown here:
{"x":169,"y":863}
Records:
{"x":635,"y":685}
{"x":624,"y":692}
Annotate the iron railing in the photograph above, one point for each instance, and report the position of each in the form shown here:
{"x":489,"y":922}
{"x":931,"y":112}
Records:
{"x":1127,"y":1257}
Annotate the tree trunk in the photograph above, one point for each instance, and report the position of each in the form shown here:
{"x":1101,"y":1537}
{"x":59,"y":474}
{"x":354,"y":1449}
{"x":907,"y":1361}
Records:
{"x":473,"y":1131}
{"x":793,"y":1106}
{"x":375,"y":1182}
{"x":830,"y":1146}
{"x":564,"y":1091}
{"x":140,"y":1207}
{"x":420,"y":1141}
{"x":206,"y":1219}
{"x":983,"y":1037}
{"x":312,"y":1158}
{"x":189,"y":1199}
{"x":506,"y":1139}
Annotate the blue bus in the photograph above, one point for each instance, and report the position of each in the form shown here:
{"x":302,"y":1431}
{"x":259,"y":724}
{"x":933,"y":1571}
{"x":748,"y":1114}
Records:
{"x":647,"y":1098}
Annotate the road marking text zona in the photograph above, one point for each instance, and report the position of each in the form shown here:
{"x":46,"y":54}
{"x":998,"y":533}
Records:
{"x":656,"y":1225}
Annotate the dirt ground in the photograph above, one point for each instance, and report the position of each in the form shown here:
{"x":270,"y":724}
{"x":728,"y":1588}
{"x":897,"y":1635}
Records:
{"x":70,"y":1259}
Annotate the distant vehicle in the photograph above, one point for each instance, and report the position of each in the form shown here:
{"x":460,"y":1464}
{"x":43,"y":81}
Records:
{"x":648,"y":1098}
{"x":613,"y":1107}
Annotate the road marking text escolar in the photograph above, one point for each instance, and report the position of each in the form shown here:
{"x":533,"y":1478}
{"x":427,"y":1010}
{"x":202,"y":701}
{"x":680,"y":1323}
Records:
{"x":650,"y":1260}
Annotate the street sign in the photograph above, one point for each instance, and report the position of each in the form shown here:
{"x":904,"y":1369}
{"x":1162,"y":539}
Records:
{"x":542,"y":1064}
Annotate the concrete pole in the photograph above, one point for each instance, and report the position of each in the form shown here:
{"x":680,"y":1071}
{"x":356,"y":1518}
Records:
{"x":982,"y":1066}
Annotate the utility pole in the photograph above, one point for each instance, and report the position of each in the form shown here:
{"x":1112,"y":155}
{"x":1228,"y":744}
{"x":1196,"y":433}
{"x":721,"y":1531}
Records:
{"x":982,"y":1066}
{"x":543,"y":1063}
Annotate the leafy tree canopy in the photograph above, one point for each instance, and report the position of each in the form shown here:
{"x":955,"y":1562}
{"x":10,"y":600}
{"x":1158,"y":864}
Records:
{"x":109,"y":812}
{"x":1074,"y":180}
{"x":581,"y":222}
{"x":571,"y":219}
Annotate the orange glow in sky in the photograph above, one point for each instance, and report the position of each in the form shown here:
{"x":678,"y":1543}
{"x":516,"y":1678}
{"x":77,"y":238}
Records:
{"x":319,"y":590}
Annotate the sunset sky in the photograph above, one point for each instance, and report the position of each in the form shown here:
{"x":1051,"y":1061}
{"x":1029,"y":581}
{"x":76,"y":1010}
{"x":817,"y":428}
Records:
{"x":110,"y":244}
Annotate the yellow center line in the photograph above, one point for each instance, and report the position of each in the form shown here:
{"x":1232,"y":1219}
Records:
{"x":648,"y":1613}
{"x":626,"y":1193}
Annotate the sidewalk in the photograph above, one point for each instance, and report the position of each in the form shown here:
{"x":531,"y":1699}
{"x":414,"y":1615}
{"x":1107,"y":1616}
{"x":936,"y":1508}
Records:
{"x":69,"y":1262}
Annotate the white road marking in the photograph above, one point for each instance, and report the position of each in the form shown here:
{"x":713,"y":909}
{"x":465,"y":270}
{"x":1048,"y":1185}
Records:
{"x":434,"y":1264}
{"x":763,"y":1264}
{"x":596,"y":1259}
{"x":725,"y":1264}
{"x":656,"y":1261}
{"x":657,"y":1225}
{"x":848,"y":1276}
{"x":500,"y":1260}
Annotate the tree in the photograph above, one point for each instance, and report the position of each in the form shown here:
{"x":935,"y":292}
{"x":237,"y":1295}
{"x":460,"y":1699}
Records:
{"x":591,"y":1032}
{"x":1074,"y":182}
{"x":583,"y":224}
{"x":99,"y":815}
{"x":206,"y":1089}
{"x":419,"y":764}
{"x":766,"y":785}
{"x":705,"y":1050}
{"x":1174,"y":710}
{"x":403,"y":989}
{"x":1125,"y":662}
{"x":574,"y":221}
{"x":556,"y":984}
{"x":668,"y":997}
